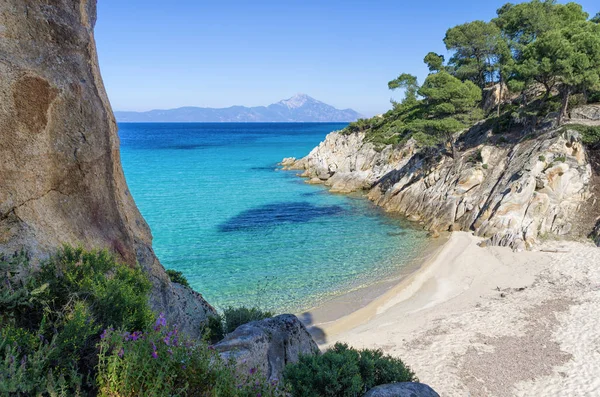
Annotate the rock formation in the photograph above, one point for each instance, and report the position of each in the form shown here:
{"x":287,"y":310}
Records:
{"x":402,"y":389}
{"x":511,"y":193}
{"x":267,"y":345}
{"x":60,"y":173}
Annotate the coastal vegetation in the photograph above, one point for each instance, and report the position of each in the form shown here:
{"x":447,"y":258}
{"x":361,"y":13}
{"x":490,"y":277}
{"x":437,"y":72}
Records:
{"x":344,"y":372}
{"x":533,"y":59}
{"x":80,"y":324}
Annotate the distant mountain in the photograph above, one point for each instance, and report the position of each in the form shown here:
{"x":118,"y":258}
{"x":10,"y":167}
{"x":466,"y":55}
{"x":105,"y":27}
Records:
{"x":300,"y":107}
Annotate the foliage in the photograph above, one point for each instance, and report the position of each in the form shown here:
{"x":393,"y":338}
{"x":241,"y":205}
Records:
{"x":234,"y":317}
{"x":590,"y":135}
{"x":410,"y":85}
{"x":177,"y":277}
{"x":116,"y":293}
{"x":343,"y":371}
{"x":161,"y":362}
{"x":477,"y":46}
{"x":527,"y":46}
{"x":51,"y":319}
{"x":434,"y":62}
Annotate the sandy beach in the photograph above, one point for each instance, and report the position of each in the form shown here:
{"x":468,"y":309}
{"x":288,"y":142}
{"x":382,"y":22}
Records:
{"x":476,"y":321}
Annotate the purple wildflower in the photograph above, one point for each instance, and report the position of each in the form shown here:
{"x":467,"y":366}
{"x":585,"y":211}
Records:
{"x":135,"y":336}
{"x":161,"y":321}
{"x":252,"y":371}
{"x":154,"y":354}
{"x":121,"y":353}
{"x":170,"y":352}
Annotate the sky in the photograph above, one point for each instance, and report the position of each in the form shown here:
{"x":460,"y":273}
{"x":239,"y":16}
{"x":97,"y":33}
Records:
{"x":157,"y":54}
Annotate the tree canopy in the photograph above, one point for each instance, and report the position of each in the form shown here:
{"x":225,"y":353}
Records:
{"x":530,"y":45}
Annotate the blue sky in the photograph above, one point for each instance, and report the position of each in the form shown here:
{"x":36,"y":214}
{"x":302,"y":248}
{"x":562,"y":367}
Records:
{"x":165,"y":54}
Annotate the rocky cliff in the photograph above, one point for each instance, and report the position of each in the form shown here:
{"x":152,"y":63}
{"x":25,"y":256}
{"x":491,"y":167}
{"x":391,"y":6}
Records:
{"x":60,"y":174}
{"x":513,"y":190}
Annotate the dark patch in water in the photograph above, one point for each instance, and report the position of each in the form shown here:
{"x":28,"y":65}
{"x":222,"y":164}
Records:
{"x":309,"y":194}
{"x":400,"y":233}
{"x":277,"y":213}
{"x":262,"y":168}
{"x":190,"y":146}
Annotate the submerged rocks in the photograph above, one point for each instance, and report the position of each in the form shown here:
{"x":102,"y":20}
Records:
{"x":402,"y":389}
{"x":267,"y":345}
{"x":509,"y":193}
{"x":61,"y":180}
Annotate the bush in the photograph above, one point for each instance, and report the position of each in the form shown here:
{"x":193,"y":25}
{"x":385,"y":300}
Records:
{"x":542,"y":158}
{"x":116,"y":293}
{"x":590,"y":135}
{"x":160,"y":362}
{"x":51,"y":319}
{"x":177,"y":277}
{"x":234,"y":317}
{"x":214,"y":330}
{"x":343,"y":371}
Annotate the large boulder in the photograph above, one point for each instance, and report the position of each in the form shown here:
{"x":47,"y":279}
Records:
{"x":61,"y":179}
{"x":267,"y":345}
{"x":403,"y":389}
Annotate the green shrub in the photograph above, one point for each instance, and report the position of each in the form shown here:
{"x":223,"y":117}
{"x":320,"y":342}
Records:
{"x":561,"y":159}
{"x":590,"y":135}
{"x":160,"y":362}
{"x":27,"y":368}
{"x":234,"y":317}
{"x":116,"y":293}
{"x":177,"y":277}
{"x":214,"y":330}
{"x":53,"y":317}
{"x":542,"y":158}
{"x":485,"y":166}
{"x":343,"y":371}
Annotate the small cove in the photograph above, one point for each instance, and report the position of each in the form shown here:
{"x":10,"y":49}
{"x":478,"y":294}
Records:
{"x":244,"y":232}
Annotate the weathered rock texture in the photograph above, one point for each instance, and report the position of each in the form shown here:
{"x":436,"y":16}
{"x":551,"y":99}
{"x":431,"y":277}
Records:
{"x":347,"y":163}
{"x":267,"y":345}
{"x":403,"y":389}
{"x":511,"y":193}
{"x":60,"y":174}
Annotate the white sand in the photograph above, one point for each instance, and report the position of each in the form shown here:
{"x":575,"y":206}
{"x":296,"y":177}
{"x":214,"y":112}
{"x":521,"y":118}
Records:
{"x":490,"y":322}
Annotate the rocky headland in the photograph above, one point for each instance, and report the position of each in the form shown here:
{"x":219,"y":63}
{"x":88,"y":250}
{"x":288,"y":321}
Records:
{"x":513,"y":190}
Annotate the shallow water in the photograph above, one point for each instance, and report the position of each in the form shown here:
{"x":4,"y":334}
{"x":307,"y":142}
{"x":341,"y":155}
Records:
{"x":244,"y":232}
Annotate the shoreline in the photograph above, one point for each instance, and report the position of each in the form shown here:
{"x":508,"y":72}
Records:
{"x":350,"y":307}
{"x":489,"y":321}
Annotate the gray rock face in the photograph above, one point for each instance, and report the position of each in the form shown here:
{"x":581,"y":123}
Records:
{"x":346,"y":163}
{"x":267,"y":345}
{"x":509,"y":193}
{"x":61,"y":179}
{"x":403,"y":389}
{"x":586,"y":113}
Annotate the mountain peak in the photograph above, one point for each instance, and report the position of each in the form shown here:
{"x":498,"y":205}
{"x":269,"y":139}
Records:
{"x":297,"y":101}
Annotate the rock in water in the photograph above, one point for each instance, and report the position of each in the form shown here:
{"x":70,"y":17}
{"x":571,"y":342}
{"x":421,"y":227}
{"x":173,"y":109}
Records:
{"x":61,"y":179}
{"x":403,"y":389}
{"x":267,"y":345}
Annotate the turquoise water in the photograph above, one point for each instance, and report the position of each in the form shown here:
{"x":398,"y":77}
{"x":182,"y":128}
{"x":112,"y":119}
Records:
{"x":244,"y":232}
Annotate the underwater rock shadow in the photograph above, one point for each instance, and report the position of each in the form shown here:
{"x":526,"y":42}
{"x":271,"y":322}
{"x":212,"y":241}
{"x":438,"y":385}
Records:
{"x":270,"y":215}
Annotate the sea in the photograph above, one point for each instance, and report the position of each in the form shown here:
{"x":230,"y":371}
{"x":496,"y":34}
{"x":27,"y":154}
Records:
{"x":244,"y":232}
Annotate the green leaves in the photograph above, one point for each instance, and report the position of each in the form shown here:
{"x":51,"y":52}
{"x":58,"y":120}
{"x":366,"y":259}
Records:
{"x":410,"y":85}
{"x":477,"y":47}
{"x":342,"y":371}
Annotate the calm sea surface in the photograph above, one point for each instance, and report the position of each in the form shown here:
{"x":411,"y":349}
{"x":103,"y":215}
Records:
{"x":244,"y":232}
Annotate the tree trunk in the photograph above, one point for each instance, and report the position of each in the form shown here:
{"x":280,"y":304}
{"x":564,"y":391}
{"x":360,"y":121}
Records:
{"x":499,"y":96}
{"x":566,"y":92}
